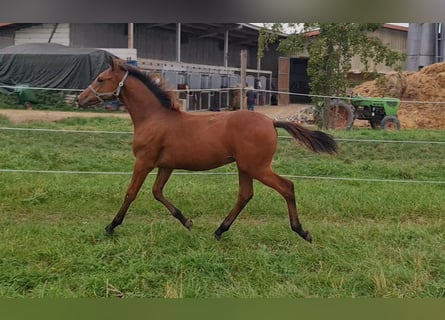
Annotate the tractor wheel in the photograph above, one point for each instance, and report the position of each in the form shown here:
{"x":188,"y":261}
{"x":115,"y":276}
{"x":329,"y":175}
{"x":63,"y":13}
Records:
{"x":338,"y":115}
{"x":375,"y":124}
{"x":390,"y":123}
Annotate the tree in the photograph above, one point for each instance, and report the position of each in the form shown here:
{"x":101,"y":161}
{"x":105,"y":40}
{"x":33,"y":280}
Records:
{"x":330,"y":51}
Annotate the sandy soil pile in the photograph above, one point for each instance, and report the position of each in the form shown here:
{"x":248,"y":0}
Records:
{"x":427,"y":85}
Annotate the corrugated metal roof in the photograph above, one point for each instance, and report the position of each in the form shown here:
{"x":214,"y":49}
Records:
{"x":240,"y":33}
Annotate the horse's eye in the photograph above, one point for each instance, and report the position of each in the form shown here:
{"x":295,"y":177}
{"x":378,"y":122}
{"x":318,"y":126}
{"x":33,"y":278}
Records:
{"x":100,"y":80}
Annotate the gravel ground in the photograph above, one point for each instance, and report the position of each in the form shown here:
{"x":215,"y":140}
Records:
{"x":19,"y":116}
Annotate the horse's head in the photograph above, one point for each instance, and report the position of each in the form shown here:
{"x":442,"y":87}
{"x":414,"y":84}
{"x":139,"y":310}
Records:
{"x":107,"y":86}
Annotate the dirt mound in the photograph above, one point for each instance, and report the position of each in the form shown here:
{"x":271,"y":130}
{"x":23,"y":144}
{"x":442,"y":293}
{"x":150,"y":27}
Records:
{"x":427,"y":85}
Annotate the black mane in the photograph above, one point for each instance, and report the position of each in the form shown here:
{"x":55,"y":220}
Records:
{"x":160,"y":93}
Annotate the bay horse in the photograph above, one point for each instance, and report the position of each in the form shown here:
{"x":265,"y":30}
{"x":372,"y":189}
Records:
{"x":167,"y":138}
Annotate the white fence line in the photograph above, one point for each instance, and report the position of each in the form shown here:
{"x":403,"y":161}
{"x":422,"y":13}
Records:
{"x":235,"y":88}
{"x":214,"y":173}
{"x":379,"y":140}
{"x":66,"y":130}
{"x":281,"y":137}
{"x":391,"y":141}
{"x":201,"y":173}
{"x":39,"y":88}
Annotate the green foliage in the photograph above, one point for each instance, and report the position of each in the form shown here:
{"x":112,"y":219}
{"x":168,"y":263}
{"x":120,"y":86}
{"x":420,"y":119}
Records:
{"x":8,"y":98}
{"x":267,"y":35}
{"x":370,"y":239}
{"x":39,"y":99}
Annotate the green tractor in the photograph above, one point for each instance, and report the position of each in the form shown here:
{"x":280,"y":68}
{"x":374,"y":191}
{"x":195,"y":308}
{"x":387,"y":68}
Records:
{"x":380,"y":112}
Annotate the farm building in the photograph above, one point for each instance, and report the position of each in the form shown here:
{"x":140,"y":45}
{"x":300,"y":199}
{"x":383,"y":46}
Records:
{"x":293,"y":69}
{"x":204,"y":56}
{"x":425,"y":45}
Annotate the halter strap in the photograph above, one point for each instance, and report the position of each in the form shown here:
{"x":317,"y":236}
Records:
{"x":121,"y":84}
{"x":114,"y":93}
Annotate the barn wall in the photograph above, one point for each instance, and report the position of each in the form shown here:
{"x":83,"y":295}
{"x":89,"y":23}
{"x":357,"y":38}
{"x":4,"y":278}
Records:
{"x":42,"y":33}
{"x":155,"y":43}
{"x":6,"y":39}
{"x":270,"y":59}
{"x":99,"y":35}
{"x":394,"y":39}
{"x":208,"y":51}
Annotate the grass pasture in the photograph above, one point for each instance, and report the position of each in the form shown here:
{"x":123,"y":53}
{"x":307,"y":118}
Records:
{"x":371,"y":238}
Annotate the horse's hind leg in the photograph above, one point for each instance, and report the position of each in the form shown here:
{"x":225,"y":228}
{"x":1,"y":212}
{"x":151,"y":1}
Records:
{"x":286,"y":188}
{"x":140,"y":172}
{"x":161,"y":180}
{"x":244,"y":195}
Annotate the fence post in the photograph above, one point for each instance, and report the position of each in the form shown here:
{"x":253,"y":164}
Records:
{"x":243,"y":77}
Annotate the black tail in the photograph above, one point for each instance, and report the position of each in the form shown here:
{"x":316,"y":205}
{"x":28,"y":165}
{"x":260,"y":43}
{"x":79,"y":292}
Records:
{"x":316,"y":141}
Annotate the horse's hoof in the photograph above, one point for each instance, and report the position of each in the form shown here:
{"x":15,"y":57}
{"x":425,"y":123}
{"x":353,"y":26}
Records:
{"x":304,"y":234}
{"x":188,"y":224}
{"x":308,"y":237}
{"x":217,"y":236}
{"x":109,"y":230}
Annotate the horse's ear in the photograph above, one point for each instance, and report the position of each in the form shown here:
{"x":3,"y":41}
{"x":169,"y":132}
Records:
{"x":111,"y":62}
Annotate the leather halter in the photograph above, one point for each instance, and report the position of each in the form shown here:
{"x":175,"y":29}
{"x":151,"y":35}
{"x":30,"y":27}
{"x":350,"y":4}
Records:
{"x":114,"y":93}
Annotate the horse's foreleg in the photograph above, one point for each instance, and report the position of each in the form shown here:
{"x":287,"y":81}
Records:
{"x":244,"y":195}
{"x":286,"y":189}
{"x":140,"y":172}
{"x":158,"y":187}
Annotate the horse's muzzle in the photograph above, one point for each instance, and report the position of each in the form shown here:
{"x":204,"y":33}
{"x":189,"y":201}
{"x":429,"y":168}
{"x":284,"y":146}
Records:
{"x":82,"y":103}
{"x":85,"y":100}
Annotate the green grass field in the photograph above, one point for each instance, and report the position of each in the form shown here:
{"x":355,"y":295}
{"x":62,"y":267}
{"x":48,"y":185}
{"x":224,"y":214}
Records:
{"x":371,"y":238}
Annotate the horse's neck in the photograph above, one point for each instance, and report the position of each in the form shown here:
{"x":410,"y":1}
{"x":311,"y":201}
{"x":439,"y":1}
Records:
{"x":141,"y":103}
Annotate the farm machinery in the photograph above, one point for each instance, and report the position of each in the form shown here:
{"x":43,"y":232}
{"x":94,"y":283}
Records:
{"x":379,"y":112}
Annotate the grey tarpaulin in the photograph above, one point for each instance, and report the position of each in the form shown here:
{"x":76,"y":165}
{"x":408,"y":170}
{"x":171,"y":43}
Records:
{"x":50,"y":65}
